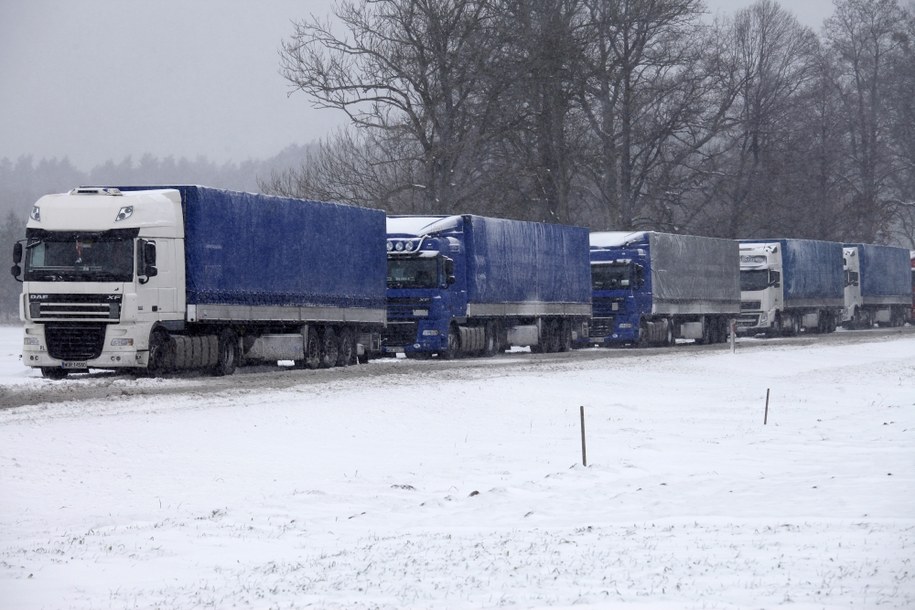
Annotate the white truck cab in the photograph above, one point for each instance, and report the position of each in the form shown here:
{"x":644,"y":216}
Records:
{"x":762,"y":298}
{"x":99,"y":267}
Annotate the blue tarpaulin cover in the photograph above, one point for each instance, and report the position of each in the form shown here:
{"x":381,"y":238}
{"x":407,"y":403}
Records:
{"x":516,"y":261}
{"x":885,"y":271}
{"x":253,"y":249}
{"x":811,"y":269}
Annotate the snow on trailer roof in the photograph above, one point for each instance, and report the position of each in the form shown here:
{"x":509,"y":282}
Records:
{"x":615,"y":239}
{"x":421,"y":225}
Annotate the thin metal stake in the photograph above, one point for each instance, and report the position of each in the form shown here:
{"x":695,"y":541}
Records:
{"x":584,"y":452}
{"x":766,"y":416}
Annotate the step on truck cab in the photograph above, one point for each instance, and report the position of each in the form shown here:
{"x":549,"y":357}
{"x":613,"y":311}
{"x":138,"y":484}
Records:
{"x":472,"y":285}
{"x":166,"y":278}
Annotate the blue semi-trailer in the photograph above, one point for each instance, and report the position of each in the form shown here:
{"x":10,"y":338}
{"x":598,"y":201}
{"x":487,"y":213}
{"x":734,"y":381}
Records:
{"x":160,"y":278}
{"x":651,"y":288}
{"x":790,"y":285}
{"x":877,"y":285}
{"x":471,"y":285}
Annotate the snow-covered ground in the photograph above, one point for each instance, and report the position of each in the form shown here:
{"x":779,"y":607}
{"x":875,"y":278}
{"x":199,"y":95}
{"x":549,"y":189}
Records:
{"x":465,"y":488}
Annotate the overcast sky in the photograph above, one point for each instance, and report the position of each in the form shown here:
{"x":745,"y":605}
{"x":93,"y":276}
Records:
{"x":94,"y":80}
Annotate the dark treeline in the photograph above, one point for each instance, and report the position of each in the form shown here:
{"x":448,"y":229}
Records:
{"x":617,"y":114}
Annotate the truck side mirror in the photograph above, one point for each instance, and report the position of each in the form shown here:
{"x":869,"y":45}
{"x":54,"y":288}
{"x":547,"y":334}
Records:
{"x":639,"y":276}
{"x":16,"y":270}
{"x":146,"y":267}
{"x":449,"y":272}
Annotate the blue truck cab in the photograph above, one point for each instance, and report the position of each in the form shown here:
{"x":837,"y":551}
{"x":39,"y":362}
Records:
{"x":621,"y":282}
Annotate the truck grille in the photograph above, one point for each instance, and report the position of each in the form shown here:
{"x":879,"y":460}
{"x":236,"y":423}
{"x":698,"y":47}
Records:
{"x":748,"y":321}
{"x":75,"y":341}
{"x":88,"y":307}
{"x":750,"y":305}
{"x":601,"y":327}
{"x":399,"y":334}
{"x":403,"y":308}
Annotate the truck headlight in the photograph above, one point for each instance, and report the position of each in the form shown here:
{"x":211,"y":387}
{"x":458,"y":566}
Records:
{"x":31,"y":341}
{"x":430,"y":333}
{"x":122,"y":342}
{"x":763,"y":317}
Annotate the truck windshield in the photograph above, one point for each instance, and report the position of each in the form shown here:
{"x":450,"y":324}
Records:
{"x":611,"y":276}
{"x":70,"y":257}
{"x":413,"y":273}
{"x":754,"y":279}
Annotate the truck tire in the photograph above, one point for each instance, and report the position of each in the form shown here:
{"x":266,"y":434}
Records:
{"x":330,"y":347}
{"x":668,"y":339}
{"x":454,"y":345}
{"x":565,"y":336}
{"x":227,"y":354}
{"x":491,"y":340}
{"x":347,"y":352}
{"x":161,"y":353}
{"x":312,"y":350}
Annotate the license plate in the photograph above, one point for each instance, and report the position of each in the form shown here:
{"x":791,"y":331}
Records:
{"x":73,"y":365}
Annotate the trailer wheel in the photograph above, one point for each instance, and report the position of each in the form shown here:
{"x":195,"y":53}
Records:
{"x":312,"y":358}
{"x":565,"y":336}
{"x":227,"y":354}
{"x":668,"y":339}
{"x":347,"y":351}
{"x":491,"y":340}
{"x":555,"y":336}
{"x":330,"y":347}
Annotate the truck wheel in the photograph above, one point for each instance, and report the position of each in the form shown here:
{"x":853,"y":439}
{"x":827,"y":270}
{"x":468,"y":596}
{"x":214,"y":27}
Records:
{"x":227,"y":356}
{"x":330,"y":347}
{"x":53,"y":372}
{"x":161,"y":353}
{"x":708,"y":331}
{"x":454,"y":345}
{"x":668,"y":334}
{"x":491,"y":340}
{"x":347,"y":351}
{"x":642,"y":340}
{"x":565,"y":336}
{"x":312,"y":350}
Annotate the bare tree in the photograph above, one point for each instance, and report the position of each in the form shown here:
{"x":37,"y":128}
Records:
{"x":762,"y":180}
{"x":414,"y":73}
{"x":866,"y":40}
{"x":645,"y":94}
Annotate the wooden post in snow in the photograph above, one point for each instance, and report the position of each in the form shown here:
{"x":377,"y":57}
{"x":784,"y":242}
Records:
{"x":584,"y":451}
{"x":766,"y":416}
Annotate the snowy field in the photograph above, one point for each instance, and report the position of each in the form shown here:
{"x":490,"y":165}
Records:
{"x":464,"y":488}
